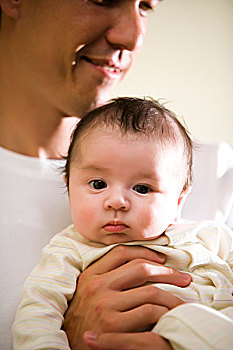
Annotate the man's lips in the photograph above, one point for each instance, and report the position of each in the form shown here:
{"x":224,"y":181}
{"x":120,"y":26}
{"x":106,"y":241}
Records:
{"x":105,"y":64}
{"x":115,"y":227}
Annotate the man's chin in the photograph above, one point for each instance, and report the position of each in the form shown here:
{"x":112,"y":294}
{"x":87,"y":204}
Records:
{"x":90,"y":104}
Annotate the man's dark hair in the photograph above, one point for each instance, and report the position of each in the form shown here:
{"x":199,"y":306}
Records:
{"x":135,"y":116}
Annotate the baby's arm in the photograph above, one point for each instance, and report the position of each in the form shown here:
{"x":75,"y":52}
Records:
{"x":187,"y":327}
{"x":47,"y":291}
{"x":194,"y":326}
{"x":197,"y":326}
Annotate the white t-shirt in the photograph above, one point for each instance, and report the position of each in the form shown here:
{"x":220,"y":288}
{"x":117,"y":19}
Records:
{"x":34,"y":206}
{"x":212,"y":191}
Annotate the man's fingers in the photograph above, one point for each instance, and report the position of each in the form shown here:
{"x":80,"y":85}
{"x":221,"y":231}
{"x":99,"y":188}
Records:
{"x":122,"y":268}
{"x":139,"y":318}
{"x":139,"y":271}
{"x":122,"y":254}
{"x":126,"y":341}
{"x":105,"y":283}
{"x":149,"y":294}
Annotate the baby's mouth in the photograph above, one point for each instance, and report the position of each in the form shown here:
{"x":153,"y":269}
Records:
{"x":115,"y":227}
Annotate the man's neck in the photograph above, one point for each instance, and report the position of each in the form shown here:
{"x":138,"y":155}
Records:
{"x":29,"y":125}
{"x":36,"y":133}
{"x":34,"y":141}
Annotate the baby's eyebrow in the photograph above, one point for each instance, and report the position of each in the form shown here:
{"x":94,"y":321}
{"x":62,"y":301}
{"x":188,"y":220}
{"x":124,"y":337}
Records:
{"x":91,"y":167}
{"x":148,"y":176}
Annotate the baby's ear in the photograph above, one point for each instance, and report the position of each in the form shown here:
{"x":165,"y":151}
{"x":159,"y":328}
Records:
{"x":181,"y":200}
{"x":65,"y":179}
{"x":11,"y":7}
{"x":184,"y":194}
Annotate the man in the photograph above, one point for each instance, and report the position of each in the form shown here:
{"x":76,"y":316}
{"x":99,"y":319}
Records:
{"x":59,"y":59}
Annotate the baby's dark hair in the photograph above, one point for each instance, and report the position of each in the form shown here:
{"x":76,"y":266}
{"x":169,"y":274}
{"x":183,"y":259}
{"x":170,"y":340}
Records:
{"x":136,"y":116}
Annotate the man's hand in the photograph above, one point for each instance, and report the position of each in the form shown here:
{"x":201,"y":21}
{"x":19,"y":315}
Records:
{"x":107,"y":301}
{"x":126,"y":341}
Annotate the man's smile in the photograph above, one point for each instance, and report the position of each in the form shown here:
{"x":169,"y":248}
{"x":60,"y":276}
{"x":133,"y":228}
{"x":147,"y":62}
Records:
{"x":106,"y":64}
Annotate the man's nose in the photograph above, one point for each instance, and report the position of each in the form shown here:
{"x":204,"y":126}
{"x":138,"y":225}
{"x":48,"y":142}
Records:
{"x":116,"y":201}
{"x":128,"y":30}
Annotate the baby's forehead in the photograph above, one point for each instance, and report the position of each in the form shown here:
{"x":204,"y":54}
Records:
{"x":102,"y":138}
{"x":117,"y":133}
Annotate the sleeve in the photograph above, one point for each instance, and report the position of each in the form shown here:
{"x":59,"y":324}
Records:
{"x":46,"y":294}
{"x":195,"y":326}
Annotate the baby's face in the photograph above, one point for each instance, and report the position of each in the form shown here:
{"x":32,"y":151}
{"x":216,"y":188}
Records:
{"x":124,"y":189}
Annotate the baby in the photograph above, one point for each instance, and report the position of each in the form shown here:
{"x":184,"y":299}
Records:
{"x":128,"y":172}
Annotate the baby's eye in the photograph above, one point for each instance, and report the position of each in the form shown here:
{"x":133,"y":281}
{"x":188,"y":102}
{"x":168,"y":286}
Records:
{"x":142,"y":189}
{"x":98,"y":184}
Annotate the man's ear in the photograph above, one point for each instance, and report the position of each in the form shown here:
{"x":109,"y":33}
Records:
{"x":181,"y":200}
{"x":11,"y":8}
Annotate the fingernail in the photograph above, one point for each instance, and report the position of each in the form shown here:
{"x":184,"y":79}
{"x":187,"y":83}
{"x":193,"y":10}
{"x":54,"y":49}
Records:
{"x":187,"y":277}
{"x":90,"y":335}
{"x":161,"y":256}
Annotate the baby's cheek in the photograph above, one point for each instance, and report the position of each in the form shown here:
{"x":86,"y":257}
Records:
{"x":85,"y":215}
{"x":151,"y":224}
{"x":146,"y":218}
{"x":81,"y":217}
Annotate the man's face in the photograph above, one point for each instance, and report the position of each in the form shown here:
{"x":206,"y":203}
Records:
{"x":72,"y":53}
{"x":124,"y":188}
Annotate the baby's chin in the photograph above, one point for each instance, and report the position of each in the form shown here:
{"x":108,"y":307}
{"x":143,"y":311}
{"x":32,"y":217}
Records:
{"x":117,"y":238}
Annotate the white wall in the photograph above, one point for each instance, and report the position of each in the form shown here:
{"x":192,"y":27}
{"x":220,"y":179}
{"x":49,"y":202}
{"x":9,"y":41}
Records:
{"x":188,"y":59}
